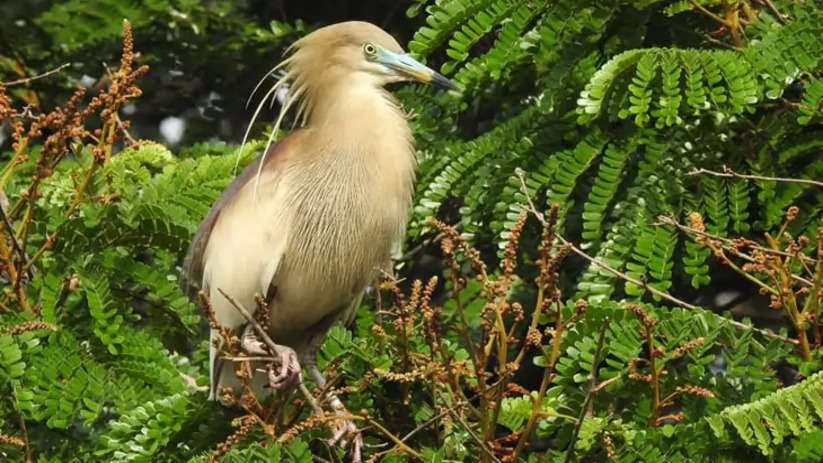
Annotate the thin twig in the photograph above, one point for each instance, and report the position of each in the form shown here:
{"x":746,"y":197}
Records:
{"x":474,"y":435}
{"x":584,"y":409}
{"x":391,"y":436}
{"x":125,"y":131}
{"x":10,"y":228}
{"x":605,"y":383}
{"x":709,"y":13}
{"x":243,"y":358}
{"x":541,"y":218}
{"x":411,"y":252}
{"x":38,"y":76}
{"x":777,"y":14}
{"x":273,"y":346}
{"x":728,"y":173}
{"x":429,"y":422}
{"x":250,"y":318}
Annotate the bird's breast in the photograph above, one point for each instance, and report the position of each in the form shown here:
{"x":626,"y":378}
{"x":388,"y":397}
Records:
{"x":349,"y":210}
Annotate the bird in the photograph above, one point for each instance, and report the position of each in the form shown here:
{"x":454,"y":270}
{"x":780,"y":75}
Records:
{"x":315,"y":218}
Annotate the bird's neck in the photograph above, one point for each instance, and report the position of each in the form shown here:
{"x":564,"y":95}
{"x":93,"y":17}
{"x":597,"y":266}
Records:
{"x":367,"y":124}
{"x":358,"y":110}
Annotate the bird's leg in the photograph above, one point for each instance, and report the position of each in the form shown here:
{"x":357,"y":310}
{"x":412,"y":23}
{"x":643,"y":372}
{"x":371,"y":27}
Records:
{"x":347,"y":428}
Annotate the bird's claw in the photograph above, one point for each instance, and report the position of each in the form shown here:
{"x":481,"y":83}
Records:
{"x":346,"y":429}
{"x":288,"y":374}
{"x":252,"y":344}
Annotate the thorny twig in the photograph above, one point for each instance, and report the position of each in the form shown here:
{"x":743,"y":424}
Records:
{"x":541,"y":218}
{"x":431,"y":420}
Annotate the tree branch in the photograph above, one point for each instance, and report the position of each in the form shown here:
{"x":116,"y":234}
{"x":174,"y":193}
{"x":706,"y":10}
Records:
{"x":728,"y":173}
{"x":38,"y":76}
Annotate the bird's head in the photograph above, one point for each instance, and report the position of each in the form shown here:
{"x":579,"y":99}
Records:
{"x":359,"y":53}
{"x":324,"y":64}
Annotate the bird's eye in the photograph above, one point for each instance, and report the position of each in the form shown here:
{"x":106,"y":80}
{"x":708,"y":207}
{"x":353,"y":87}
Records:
{"x":370,"y":50}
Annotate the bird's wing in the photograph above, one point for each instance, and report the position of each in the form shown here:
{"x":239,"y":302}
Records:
{"x":191,"y":279}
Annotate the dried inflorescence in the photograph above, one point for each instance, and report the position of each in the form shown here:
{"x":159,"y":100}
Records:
{"x":12,"y":440}
{"x":309,"y":423}
{"x":645,"y":319}
{"x":508,"y":331}
{"x":785,"y":269}
{"x":64,"y":131}
{"x":695,"y":390}
{"x":245,"y":425}
{"x":654,"y":365}
{"x":682,"y":350}
{"x":32,"y":326}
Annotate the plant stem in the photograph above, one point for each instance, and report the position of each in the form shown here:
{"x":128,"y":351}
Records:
{"x":584,"y":409}
{"x":655,"y":383}
{"x":548,"y":375}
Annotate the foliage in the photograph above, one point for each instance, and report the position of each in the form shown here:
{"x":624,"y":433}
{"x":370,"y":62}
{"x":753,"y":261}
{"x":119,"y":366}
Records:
{"x":604,"y":165}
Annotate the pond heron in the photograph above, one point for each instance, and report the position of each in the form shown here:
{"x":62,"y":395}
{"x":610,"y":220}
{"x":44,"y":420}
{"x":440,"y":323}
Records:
{"x":313,"y":220}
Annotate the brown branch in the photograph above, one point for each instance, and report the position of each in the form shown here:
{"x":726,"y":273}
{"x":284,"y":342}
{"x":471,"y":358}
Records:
{"x":38,"y":76}
{"x":728,"y":173}
{"x":541,"y":218}
{"x":10,"y":228}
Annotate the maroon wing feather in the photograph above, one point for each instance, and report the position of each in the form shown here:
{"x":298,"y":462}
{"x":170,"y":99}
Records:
{"x":193,"y":265}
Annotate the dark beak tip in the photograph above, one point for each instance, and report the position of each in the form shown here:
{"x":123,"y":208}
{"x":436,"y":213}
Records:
{"x":444,"y":82}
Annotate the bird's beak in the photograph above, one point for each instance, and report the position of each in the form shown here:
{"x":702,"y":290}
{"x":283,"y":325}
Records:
{"x":415,"y":70}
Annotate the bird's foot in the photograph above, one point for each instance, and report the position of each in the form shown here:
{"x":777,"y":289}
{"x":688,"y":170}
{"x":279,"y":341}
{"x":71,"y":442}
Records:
{"x":251,"y":343}
{"x":285,"y":372}
{"x":345,"y":429}
{"x":287,"y":375}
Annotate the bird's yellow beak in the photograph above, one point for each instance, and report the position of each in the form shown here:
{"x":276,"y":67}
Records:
{"x":410,"y":67}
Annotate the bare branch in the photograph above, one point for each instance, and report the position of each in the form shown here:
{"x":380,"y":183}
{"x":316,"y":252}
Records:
{"x":38,"y":76}
{"x":728,"y":173}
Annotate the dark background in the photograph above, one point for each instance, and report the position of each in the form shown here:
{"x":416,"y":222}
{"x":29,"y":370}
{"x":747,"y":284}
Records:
{"x":224,"y":46}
